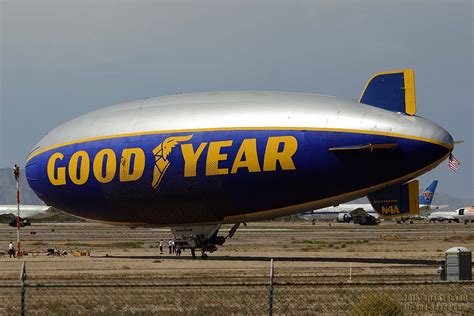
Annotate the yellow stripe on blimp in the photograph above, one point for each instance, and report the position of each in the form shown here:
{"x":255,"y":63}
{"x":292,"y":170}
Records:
{"x":341,"y":130}
{"x":299,"y":208}
{"x":294,"y":209}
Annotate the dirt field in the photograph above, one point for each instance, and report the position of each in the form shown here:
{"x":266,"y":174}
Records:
{"x":306,"y":257}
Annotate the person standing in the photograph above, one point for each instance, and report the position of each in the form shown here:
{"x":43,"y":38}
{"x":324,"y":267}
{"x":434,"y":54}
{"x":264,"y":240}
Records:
{"x":11,"y":250}
{"x":174,"y":247}
{"x":170,"y":246}
{"x":161,"y":247}
{"x":178,"y":251}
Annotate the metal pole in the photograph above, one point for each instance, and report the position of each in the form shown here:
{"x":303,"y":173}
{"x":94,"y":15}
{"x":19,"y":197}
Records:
{"x":350,"y":272}
{"x":23,"y":288}
{"x":270,"y":290}
{"x":17,"y":177}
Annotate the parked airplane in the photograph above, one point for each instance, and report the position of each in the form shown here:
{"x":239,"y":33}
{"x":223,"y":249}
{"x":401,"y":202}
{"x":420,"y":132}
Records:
{"x":461,"y":215}
{"x":364,"y":214}
{"x":26,"y":212}
{"x":195,"y":161}
{"x":426,"y":197}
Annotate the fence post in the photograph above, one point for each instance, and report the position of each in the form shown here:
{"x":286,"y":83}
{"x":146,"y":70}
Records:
{"x":23,"y":288}
{"x":270,"y":290}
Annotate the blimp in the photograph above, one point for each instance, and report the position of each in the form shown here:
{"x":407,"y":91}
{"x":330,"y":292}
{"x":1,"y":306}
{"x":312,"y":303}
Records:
{"x":193,"y":162}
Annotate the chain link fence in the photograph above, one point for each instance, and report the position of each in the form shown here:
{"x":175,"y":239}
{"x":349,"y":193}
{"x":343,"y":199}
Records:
{"x":333,"y":298}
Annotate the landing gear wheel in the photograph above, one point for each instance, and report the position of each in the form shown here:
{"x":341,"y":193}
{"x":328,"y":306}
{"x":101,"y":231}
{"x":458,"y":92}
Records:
{"x":203,"y":255}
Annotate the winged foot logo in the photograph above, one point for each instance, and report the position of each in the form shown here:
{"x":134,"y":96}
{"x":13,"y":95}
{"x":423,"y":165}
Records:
{"x":161,"y":153}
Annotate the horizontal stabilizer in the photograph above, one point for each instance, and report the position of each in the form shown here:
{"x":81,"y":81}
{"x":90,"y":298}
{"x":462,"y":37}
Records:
{"x":396,"y":200}
{"x":392,"y":91}
{"x":365,"y":147}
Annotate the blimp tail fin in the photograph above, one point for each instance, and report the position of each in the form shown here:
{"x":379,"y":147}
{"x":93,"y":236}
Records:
{"x":391,"y":90}
{"x":397,"y":200}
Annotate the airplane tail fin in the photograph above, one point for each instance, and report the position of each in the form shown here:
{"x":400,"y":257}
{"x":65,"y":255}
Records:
{"x":396,"y":200}
{"x":391,"y":90}
{"x":427,"y":196}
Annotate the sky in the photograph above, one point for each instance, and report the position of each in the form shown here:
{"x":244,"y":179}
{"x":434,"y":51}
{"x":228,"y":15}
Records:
{"x":60,"y":59}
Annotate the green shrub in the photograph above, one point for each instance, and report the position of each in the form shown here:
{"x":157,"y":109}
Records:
{"x":378,"y":304}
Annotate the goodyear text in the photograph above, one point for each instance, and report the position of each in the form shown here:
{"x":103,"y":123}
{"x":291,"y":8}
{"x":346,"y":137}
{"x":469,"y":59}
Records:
{"x":106,"y":166}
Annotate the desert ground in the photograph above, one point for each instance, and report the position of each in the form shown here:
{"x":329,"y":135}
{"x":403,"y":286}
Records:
{"x":336,"y":263}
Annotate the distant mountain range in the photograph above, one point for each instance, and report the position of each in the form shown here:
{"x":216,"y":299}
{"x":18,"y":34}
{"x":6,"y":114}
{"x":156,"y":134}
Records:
{"x":453,"y":202}
{"x":8,"y":195}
